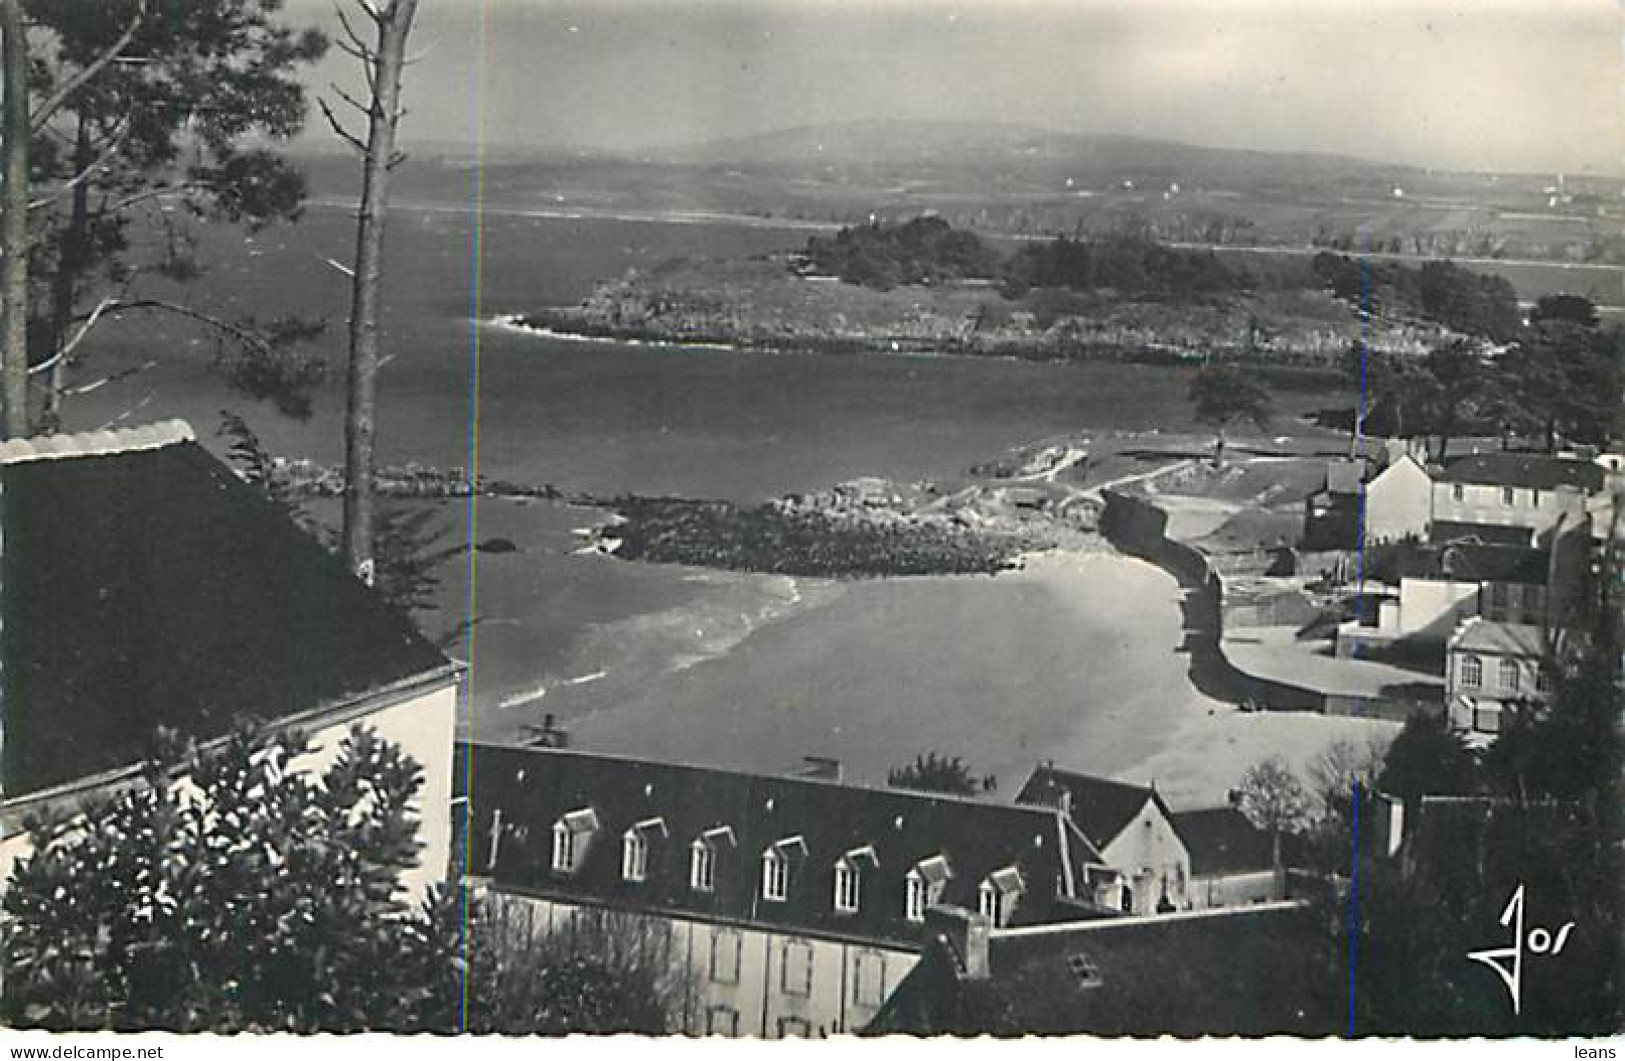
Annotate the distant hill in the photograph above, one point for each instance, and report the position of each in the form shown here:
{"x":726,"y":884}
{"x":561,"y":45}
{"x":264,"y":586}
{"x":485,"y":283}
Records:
{"x":891,"y":141}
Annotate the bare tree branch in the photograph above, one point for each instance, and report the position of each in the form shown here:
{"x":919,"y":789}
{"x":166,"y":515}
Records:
{"x":354,"y":39}
{"x":225,"y":327}
{"x":43,"y":113}
{"x":95,"y":385}
{"x":351,"y":100}
{"x":78,"y":337}
{"x":413,"y":60}
{"x":338,"y":127}
{"x":151,"y":193}
{"x":341,"y":267}
{"x":113,"y":145}
{"x":131,"y":411}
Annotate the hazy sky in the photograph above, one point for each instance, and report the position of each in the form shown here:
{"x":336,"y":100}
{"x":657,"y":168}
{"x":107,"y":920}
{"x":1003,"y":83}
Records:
{"x":1497,"y":84}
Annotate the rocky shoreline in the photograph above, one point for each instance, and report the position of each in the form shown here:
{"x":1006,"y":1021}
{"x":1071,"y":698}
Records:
{"x":775,"y":304}
{"x":866,"y":528}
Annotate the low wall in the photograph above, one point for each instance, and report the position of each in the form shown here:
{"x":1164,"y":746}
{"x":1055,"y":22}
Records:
{"x":1138,"y":528}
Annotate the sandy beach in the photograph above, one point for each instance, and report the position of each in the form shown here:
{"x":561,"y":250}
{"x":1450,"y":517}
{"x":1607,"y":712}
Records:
{"x":1073,"y":659}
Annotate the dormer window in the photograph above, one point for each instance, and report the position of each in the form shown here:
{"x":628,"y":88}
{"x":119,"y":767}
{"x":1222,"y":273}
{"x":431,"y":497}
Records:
{"x":571,"y":835}
{"x":702,"y":860}
{"x":634,"y":856}
{"x":849,"y":878}
{"x":635,"y":849}
{"x":998,"y":894}
{"x":702,"y":867}
{"x":846,"y":889}
{"x":914,"y":903}
{"x":776,"y":862}
{"x":922,"y":886}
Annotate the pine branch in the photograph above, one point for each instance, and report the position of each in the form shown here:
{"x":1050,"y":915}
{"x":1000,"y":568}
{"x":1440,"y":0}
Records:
{"x":46,"y":110}
{"x":111,"y":149}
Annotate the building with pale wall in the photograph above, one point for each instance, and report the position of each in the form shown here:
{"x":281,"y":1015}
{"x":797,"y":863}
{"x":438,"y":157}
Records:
{"x":794,"y":906}
{"x":788,"y":906}
{"x":1131,"y":826}
{"x":1490,"y":668}
{"x":1528,"y":491}
{"x":145,"y":588}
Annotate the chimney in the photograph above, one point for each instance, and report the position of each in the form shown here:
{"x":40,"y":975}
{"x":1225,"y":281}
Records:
{"x":965,"y":933}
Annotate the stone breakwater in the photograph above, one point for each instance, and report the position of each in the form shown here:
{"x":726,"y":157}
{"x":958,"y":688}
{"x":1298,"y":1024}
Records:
{"x":864,"y":528}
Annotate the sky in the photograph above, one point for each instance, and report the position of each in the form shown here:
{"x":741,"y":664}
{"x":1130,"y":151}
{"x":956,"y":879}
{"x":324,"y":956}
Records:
{"x":1509,"y":85}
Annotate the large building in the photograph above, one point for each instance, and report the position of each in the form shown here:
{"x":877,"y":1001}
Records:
{"x":1501,"y":498}
{"x":1527,"y":494}
{"x":793,"y":906}
{"x":145,"y":589}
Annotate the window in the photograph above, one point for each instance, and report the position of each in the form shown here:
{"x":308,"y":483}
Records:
{"x":794,"y":1027}
{"x":914,"y":896}
{"x":846,"y":887}
{"x":1472,"y":672}
{"x":1457,"y":492}
{"x":1543,"y":681}
{"x":564,"y":848}
{"x":1500,"y":599}
{"x":726,"y":944}
{"x":998,"y":894}
{"x":775,"y":876}
{"x":1487,"y":717}
{"x":1510,"y":677}
{"x":869,"y":979}
{"x":988,"y":902}
{"x":721,"y":1020}
{"x":702,"y":867}
{"x":1534,"y":498}
{"x":1507,"y":496}
{"x":634,"y":856}
{"x":1083,"y":969}
{"x":571,"y":835}
{"x":796,"y":970}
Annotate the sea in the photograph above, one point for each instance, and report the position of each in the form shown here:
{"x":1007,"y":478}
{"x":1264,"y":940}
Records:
{"x":741,"y":670}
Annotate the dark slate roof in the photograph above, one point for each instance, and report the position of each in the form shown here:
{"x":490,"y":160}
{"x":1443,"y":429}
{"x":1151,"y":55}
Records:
{"x":1101,"y":807}
{"x":1532,"y":470}
{"x":535,"y":787}
{"x":143,"y":585}
{"x":1221,"y":841}
{"x":1476,"y":562}
{"x":1445,"y":530}
{"x":1254,"y":970}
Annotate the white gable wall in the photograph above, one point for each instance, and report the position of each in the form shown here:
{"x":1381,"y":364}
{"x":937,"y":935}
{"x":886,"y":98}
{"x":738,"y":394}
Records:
{"x":1152,"y":858}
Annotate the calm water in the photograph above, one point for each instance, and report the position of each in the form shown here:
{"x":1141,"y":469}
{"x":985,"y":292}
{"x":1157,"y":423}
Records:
{"x":634,"y":652}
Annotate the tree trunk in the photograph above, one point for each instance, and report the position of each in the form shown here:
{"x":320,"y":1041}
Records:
{"x":1278,"y":870}
{"x":14,"y":226}
{"x":65,"y":285}
{"x":394,"y":23}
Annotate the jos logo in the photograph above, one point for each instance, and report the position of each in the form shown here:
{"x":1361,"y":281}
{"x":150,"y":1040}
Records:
{"x":1507,"y":961}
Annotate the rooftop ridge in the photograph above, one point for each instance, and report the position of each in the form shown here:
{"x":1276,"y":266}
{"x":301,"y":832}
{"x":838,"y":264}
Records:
{"x":760,"y":775}
{"x":1061,"y":771}
{"x":102,"y":443}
